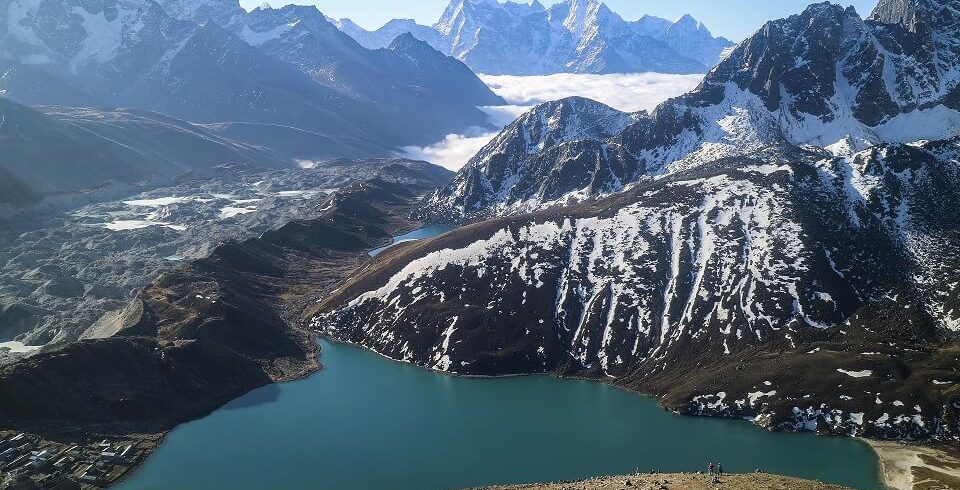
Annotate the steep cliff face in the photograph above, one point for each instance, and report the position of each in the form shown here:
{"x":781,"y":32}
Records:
{"x":834,"y":267}
{"x":824,"y":78}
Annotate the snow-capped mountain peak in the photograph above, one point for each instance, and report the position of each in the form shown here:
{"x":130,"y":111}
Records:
{"x":688,"y":25}
{"x":583,"y":36}
{"x":824,"y":79}
{"x":794,"y":213}
{"x":582,"y":15}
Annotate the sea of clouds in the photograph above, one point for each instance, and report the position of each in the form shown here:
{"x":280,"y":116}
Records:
{"x":629,"y":93}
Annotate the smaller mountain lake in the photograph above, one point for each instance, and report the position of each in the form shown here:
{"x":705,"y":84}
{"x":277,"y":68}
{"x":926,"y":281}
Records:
{"x":428,"y":231}
{"x":365,"y":422}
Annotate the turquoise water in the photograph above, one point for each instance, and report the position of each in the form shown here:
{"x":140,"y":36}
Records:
{"x":365,"y":422}
{"x":428,"y":231}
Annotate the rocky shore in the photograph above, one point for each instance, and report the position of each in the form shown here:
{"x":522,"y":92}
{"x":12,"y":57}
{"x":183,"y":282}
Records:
{"x":680,"y":481}
{"x":915,"y":467}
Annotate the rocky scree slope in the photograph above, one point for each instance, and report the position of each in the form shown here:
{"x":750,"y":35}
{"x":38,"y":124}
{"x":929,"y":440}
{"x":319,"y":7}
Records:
{"x":825,"y":78}
{"x":573,"y":36}
{"x":208,"y":332}
{"x":805,"y":291}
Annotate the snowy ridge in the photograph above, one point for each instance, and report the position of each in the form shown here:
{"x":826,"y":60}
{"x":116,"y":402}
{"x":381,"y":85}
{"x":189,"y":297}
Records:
{"x":705,"y":265}
{"x":823,"y":80}
{"x":573,"y":36}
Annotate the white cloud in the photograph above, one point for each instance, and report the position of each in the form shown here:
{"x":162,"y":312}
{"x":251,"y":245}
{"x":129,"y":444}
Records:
{"x":629,"y":93}
{"x":453,"y":152}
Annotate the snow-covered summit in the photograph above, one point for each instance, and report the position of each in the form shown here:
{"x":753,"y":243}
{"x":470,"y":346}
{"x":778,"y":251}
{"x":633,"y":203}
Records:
{"x":579,"y":36}
{"x":212,"y":61}
{"x":824,"y":79}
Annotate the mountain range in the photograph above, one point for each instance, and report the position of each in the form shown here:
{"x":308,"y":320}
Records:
{"x":825,"y":80}
{"x":780,"y":244}
{"x":286,"y":70}
{"x":572,"y":36}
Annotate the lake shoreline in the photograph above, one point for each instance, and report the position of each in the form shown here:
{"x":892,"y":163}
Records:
{"x":678,"y":481}
{"x":885,"y":451}
{"x":389,"y":380}
{"x":896,"y":459}
{"x":905,"y":464}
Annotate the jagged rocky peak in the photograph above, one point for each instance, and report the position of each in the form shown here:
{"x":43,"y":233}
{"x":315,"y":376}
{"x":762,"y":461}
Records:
{"x":915,"y":14}
{"x":798,"y":54}
{"x":687,"y":23}
{"x":581,"y":36}
{"x":579,"y":16}
{"x":571,"y":118}
{"x":406,"y":42}
{"x":500,"y":174}
{"x":828,"y":63}
{"x":824,"y":79}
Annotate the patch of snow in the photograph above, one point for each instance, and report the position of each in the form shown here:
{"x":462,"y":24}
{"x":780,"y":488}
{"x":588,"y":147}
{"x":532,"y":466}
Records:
{"x":856,"y":374}
{"x":18,"y":347}
{"x":136,"y":224}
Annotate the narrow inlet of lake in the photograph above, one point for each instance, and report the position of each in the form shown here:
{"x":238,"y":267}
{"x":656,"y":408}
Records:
{"x":364,"y":422}
{"x":428,"y":231}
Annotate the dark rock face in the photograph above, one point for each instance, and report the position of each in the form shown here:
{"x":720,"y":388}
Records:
{"x":208,"y":332}
{"x":574,"y":36}
{"x":824,"y":78}
{"x":685,"y":287}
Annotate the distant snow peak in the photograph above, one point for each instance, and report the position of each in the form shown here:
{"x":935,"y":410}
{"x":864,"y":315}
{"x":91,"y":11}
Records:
{"x":572,"y":36}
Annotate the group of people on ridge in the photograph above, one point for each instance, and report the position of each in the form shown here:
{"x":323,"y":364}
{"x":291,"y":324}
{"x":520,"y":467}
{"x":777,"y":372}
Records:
{"x":716,"y":471}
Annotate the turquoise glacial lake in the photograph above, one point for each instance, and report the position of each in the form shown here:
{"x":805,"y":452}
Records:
{"x":428,"y":231}
{"x":364,"y":422}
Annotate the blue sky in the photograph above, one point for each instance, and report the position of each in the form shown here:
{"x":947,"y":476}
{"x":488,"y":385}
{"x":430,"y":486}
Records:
{"x":735,"y":19}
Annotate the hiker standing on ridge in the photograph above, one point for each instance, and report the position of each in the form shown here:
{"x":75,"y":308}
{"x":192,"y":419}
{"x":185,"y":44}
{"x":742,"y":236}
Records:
{"x":710,"y":469}
{"x":719,"y":469}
